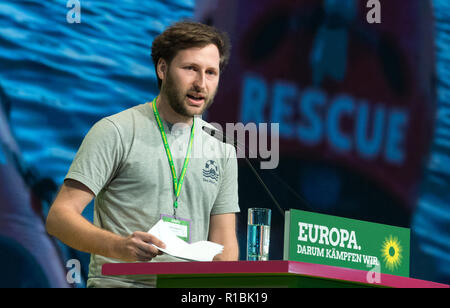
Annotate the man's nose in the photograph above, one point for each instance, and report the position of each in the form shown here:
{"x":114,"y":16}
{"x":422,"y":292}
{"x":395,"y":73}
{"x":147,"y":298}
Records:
{"x":200,"y":80}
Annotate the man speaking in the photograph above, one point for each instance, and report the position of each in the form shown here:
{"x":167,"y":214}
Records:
{"x":130,"y":163}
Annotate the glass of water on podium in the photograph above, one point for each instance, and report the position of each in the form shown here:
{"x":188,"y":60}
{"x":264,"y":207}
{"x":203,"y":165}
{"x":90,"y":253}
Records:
{"x":258,"y":234}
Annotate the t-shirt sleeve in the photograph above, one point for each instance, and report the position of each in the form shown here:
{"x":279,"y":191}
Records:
{"x":98,"y":157}
{"x":227,"y":200}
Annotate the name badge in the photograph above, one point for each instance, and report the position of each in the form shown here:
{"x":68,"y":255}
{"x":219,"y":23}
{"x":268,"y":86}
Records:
{"x":179,"y":226}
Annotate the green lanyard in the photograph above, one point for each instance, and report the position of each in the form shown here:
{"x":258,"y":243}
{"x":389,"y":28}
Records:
{"x":177,"y":182}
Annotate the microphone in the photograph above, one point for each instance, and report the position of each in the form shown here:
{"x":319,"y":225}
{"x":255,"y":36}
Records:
{"x":222,"y":138}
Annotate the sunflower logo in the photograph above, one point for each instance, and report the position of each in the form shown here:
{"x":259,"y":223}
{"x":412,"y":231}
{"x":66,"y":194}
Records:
{"x":391,"y":251}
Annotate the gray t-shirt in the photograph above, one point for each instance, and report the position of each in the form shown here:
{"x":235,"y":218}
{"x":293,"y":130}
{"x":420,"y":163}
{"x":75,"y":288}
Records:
{"x":123,"y":161}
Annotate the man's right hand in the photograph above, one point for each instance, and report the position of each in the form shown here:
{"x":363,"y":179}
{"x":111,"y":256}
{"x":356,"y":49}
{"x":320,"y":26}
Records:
{"x":65,"y":221}
{"x":138,"y":247}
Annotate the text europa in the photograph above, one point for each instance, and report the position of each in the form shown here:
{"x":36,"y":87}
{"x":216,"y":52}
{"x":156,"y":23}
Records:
{"x":323,"y":235}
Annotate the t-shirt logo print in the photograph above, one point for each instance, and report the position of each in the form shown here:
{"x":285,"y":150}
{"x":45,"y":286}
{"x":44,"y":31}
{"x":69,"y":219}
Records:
{"x":211,"y":172}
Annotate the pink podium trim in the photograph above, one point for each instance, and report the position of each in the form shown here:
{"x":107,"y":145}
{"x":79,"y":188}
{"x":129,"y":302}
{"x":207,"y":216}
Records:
{"x":264,"y":267}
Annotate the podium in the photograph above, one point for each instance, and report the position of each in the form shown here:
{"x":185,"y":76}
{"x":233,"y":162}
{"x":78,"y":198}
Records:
{"x":261,"y":274}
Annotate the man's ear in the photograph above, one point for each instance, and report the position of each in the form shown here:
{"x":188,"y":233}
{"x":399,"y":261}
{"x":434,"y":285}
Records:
{"x":161,"y":68}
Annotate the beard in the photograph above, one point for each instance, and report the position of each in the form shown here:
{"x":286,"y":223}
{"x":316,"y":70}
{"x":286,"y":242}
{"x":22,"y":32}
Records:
{"x":177,"y":98}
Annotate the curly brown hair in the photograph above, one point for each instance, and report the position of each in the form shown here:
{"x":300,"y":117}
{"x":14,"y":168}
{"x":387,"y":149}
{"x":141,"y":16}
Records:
{"x":188,"y":34}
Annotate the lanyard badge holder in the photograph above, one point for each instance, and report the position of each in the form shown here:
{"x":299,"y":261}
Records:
{"x":177,"y":182}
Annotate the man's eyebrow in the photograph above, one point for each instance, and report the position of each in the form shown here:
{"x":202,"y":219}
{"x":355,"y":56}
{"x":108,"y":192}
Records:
{"x":198,"y":65}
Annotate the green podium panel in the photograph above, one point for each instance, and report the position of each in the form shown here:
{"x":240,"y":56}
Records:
{"x":250,"y":281}
{"x":261,"y":274}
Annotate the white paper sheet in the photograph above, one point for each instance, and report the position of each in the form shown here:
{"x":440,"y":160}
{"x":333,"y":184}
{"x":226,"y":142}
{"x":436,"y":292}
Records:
{"x":198,"y":251}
